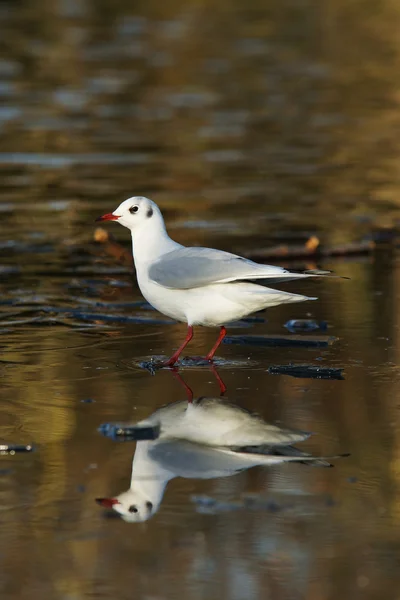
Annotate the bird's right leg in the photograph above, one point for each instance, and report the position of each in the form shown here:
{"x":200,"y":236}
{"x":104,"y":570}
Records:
{"x":171,"y":361}
{"x":213,"y":350}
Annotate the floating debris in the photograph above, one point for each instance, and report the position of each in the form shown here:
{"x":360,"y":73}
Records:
{"x":307,"y":371}
{"x":151,"y":366}
{"x":129,"y":433}
{"x":11,"y":449}
{"x":295,"y":325}
{"x":282,"y":340}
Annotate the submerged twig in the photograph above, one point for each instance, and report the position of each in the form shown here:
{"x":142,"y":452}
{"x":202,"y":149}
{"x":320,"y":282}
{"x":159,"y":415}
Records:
{"x":307,"y":371}
{"x":281,"y":340}
{"x":11,"y":449}
{"x":130,"y":433}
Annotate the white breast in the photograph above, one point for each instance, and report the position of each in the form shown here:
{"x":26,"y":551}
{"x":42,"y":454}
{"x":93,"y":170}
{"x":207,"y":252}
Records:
{"x":168,"y":302}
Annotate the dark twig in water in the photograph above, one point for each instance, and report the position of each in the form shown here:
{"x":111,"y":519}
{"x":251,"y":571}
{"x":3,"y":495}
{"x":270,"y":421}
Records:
{"x":282,"y":340}
{"x":307,"y":371}
{"x":10,"y":449}
{"x":129,"y":433}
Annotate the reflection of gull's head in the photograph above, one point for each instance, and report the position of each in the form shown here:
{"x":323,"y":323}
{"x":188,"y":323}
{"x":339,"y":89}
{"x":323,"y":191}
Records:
{"x":134,"y":506}
{"x":148,"y":482}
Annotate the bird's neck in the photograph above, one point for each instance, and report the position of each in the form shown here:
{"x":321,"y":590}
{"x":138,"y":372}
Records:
{"x":148,"y":477}
{"x":151,"y":242}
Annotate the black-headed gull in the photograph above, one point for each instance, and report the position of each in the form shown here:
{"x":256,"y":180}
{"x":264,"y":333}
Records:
{"x":207,"y":439}
{"x":197,"y":286}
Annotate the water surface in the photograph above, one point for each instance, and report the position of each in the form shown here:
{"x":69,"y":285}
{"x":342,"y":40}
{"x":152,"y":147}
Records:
{"x":249,"y":126}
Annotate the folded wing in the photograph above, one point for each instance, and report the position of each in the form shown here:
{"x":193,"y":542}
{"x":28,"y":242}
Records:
{"x":186,"y":268}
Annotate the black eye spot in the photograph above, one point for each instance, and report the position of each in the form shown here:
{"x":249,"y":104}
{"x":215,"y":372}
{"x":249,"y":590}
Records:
{"x":133,"y":209}
{"x":149,"y":506}
{"x":149,"y":213}
{"x":133,"y":509}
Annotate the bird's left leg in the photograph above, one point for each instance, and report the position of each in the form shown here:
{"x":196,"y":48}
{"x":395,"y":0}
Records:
{"x":171,"y":361}
{"x":213,"y":350}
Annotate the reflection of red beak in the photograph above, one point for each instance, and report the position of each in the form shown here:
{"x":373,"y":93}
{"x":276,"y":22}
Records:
{"x":107,"y":502}
{"x":108,"y":217}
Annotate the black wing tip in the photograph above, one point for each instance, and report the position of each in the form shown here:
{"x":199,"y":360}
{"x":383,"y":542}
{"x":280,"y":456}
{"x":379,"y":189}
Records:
{"x":323,"y":273}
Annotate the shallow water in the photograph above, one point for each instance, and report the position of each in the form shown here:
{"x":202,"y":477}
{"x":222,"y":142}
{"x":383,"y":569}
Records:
{"x":250,"y":127}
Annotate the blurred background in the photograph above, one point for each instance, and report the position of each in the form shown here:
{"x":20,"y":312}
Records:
{"x":270,"y":106}
{"x":253,"y":125}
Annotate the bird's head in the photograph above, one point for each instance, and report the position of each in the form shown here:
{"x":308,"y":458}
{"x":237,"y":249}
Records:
{"x":133,"y":506}
{"x":134,"y":213}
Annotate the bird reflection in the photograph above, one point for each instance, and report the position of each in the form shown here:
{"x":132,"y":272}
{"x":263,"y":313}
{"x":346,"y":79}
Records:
{"x":205,"y":439}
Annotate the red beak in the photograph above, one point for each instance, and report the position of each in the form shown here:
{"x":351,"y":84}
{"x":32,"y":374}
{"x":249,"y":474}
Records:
{"x":107,"y":502}
{"x":108,"y":217}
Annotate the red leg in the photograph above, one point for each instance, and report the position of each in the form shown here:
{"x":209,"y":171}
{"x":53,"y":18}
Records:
{"x":213,"y":350}
{"x":222,"y":386}
{"x":188,"y":390}
{"x":171,"y":361}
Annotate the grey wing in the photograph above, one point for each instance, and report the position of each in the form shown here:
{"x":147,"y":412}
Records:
{"x":186,"y":268}
{"x":195,"y":461}
{"x":290,"y":453}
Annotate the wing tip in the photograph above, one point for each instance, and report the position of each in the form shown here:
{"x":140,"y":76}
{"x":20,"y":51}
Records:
{"x":324,"y":273}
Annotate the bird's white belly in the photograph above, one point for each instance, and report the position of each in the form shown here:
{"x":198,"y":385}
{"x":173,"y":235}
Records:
{"x":168,"y":302}
{"x":209,"y":305}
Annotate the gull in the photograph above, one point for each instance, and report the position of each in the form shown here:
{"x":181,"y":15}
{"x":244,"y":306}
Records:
{"x":207,"y":439}
{"x":197,"y":286}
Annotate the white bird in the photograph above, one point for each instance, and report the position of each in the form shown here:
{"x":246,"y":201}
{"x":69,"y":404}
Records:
{"x":206,"y":439}
{"x":197,"y":286}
